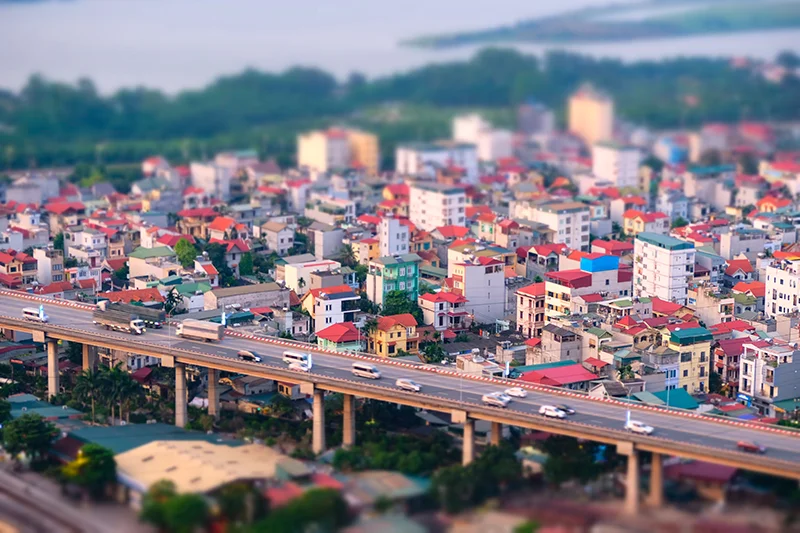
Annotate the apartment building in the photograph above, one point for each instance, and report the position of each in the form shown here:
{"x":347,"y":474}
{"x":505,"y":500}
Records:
{"x":330,"y":210}
{"x":50,"y":265}
{"x":482,"y":283}
{"x":635,"y":222}
{"x":709,"y":304}
{"x":322,"y":151}
{"x":569,"y":222}
{"x":297,"y":276}
{"x":86,"y":245}
{"x":393,"y":273}
{"x":530,"y":314}
{"x":155,"y":263}
{"x":393,"y":236}
{"x":444,"y":310}
{"x":782,"y":287}
{"x":726,"y":362}
{"x":213,"y":179}
{"x":365,"y":150}
{"x":743,"y":241}
{"x":591,"y":115}
{"x":707,"y":183}
{"x":331,"y":305}
{"x":769,"y":373}
{"x":425,"y":159}
{"x":278,"y":237}
{"x":598,"y":275}
{"x":694,"y":348}
{"x":663,"y":267}
{"x":19,"y":266}
{"x":432,"y":205}
{"x":616,"y":163}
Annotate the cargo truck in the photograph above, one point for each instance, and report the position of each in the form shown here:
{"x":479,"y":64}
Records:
{"x":152,"y":318}
{"x":200,"y":330}
{"x":117,"y":320}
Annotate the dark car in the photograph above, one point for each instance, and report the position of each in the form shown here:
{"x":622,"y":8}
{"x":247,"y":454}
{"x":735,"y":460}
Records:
{"x":247,"y":355}
{"x":566,"y":408}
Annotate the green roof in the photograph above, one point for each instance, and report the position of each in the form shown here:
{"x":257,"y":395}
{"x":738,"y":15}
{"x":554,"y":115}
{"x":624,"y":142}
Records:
{"x":648,"y":398}
{"x":677,"y":398}
{"x":398,"y":260}
{"x":711,"y":169}
{"x":788,"y":405}
{"x":599,"y":332}
{"x":433,"y":271}
{"x":120,"y":439}
{"x":625,"y":302}
{"x":645,"y":300}
{"x":744,"y":299}
{"x":544,"y":366}
{"x":147,"y":253}
{"x":171,"y":280}
{"x":26,"y":404}
{"x":664,"y":241}
{"x":690,"y":336}
{"x":191,"y":288}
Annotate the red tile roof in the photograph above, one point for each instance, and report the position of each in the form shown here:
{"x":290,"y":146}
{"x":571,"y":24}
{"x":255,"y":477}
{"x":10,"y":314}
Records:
{"x":452,"y":232}
{"x":549,"y":249}
{"x":210,"y":269}
{"x":559,"y":376}
{"x":734,"y":265}
{"x":635,"y":200}
{"x":474,"y":210}
{"x":230,"y":245}
{"x":595,"y":362}
{"x":369,"y":219}
{"x":193,"y":190}
{"x":198,"y":212}
{"x":646,"y":217}
{"x":53,"y":288}
{"x":406,"y":320}
{"x":778,"y":203}
{"x":60,"y":208}
{"x":342,"y":332}
{"x":442,"y":296}
{"x":336,"y":289}
{"x":613,"y":246}
{"x":534,"y":289}
{"x":172,"y":239}
{"x":398,"y":189}
{"x":663,"y":307}
{"x":756,"y":288}
{"x":222,"y":224}
{"x":575,"y":278}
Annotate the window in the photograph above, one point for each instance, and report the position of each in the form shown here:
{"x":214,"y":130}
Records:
{"x":686,"y":357}
{"x":686,"y":373}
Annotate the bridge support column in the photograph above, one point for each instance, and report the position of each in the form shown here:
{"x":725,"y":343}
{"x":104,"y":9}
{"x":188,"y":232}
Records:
{"x":469,"y":442}
{"x":318,"y":436}
{"x":53,"y":383}
{"x":497,"y":433}
{"x":349,"y":427}
{"x":657,"y":480}
{"x":180,"y":395}
{"x":89,"y":357}
{"x":213,"y":392}
{"x":632,"y":484}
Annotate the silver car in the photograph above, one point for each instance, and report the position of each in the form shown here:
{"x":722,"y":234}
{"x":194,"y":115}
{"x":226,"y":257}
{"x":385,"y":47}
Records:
{"x":407,"y":384}
{"x":496,"y":399}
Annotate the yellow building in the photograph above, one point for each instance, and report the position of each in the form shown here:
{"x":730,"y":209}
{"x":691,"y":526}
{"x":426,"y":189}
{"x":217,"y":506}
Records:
{"x":393,"y":334}
{"x":364,"y":150}
{"x":591,"y":115}
{"x":694,"y":348}
{"x":366,"y":250}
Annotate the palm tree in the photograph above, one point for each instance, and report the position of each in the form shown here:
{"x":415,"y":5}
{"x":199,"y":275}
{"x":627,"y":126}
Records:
{"x":89,"y":385}
{"x":347,"y":256}
{"x":301,"y":283}
{"x":129,"y":392}
{"x":172,"y":301}
{"x":113,"y":379}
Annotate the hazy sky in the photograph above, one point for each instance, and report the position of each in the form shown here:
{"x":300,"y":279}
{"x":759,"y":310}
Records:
{"x":175,"y":44}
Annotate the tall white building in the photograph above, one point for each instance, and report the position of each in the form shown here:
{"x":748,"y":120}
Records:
{"x":468,"y":128}
{"x":663,"y":267}
{"x":569,"y":221}
{"x":616,"y":163}
{"x":321,"y":151}
{"x":432,"y":205}
{"x":213,"y":179}
{"x":422,"y":160}
{"x":495,"y":144}
{"x":482,"y":282}
{"x":393,"y":237}
{"x":783,"y":288}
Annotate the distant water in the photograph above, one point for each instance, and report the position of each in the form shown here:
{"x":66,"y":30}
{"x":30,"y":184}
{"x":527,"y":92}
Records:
{"x":176,"y":44}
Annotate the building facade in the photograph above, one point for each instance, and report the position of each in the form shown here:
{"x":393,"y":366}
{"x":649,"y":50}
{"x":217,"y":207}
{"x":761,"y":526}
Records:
{"x":663,"y":267}
{"x":433,"y":205}
{"x":591,"y":115}
{"x":387,"y":274}
{"x":616,"y":163}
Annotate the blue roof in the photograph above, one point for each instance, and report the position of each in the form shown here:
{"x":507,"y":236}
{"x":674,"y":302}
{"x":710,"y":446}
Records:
{"x":677,"y":398}
{"x":716,"y":169}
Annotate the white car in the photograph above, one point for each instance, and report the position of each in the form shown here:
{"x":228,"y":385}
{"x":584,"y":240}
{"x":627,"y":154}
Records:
{"x":407,"y":384}
{"x":516,"y":392}
{"x":638,"y":427}
{"x":300,"y":367}
{"x":551,"y":412}
{"x":496,"y":399}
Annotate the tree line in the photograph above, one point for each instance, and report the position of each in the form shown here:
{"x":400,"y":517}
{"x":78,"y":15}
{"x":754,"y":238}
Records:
{"x":51,"y":123}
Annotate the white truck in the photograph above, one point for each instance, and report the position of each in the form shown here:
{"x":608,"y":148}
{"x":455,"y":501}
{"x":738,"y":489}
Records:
{"x":200,"y":330}
{"x":117,"y":320}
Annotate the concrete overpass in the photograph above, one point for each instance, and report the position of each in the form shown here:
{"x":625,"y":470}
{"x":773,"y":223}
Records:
{"x":677,"y":433}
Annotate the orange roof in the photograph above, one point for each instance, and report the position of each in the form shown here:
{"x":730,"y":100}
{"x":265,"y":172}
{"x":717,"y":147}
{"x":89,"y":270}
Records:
{"x":210,"y":269}
{"x":342,"y":332}
{"x":451,"y":232}
{"x":197,"y":212}
{"x":222,"y":224}
{"x":635,"y":200}
{"x":58,"y":286}
{"x":735,"y":265}
{"x":534,"y":289}
{"x":136,"y":295}
{"x":756,"y":288}
{"x":406,"y":320}
{"x":777,"y":203}
{"x":59,"y":208}
{"x":473,"y":210}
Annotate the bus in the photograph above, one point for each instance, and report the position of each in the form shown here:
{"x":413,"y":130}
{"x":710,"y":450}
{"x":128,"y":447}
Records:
{"x":32,"y":313}
{"x":366,"y":370}
{"x":294,"y":357}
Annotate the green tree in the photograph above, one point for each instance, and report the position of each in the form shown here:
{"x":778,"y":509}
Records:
{"x":5,"y":411}
{"x":241,"y":503}
{"x":186,"y":252}
{"x":122,"y":273}
{"x":398,"y":302}
{"x":679,"y":222}
{"x":361,"y":274}
{"x":154,"y":503}
{"x":317,"y":509}
{"x":433,"y":352}
{"x":714,"y":382}
{"x":29,"y":433}
{"x":94,"y":469}
{"x":58,"y":241}
{"x":626,"y":372}
{"x":185,"y":513}
{"x":89,"y":386}
{"x":216,"y":253}
{"x":246,"y":265}
{"x":172,"y":301}
{"x":529,"y":526}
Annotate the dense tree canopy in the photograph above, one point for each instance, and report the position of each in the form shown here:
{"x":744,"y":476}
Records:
{"x":29,"y":433}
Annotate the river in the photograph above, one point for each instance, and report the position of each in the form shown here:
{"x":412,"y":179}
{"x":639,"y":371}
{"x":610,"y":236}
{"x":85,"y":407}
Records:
{"x":178,"y":44}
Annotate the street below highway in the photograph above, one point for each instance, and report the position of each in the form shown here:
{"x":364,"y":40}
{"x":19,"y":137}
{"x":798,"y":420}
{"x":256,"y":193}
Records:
{"x":608,"y":415}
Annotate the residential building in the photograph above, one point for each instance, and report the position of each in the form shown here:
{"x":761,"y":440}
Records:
{"x":710,"y":306}
{"x":619,"y":206}
{"x":444,"y":310}
{"x":323,"y":151}
{"x":156,"y":263}
{"x":297,"y":276}
{"x":591,"y":115}
{"x":599,"y":276}
{"x":743,"y":241}
{"x":365,"y":151}
{"x":635,"y":222}
{"x":694,"y":347}
{"x":62,"y":215}
{"x":194,"y":221}
{"x":709,"y":184}
{"x":433,"y":205}
{"x":663,"y":267}
{"x":423,"y":160}
{"x":394,"y":335}
{"x":534,"y":118}
{"x":341,"y":337}
{"x":612,"y":247}
{"x":19,"y":266}
{"x":366,"y":250}
{"x":768,"y":374}
{"x":331,"y":305}
{"x":234,"y":250}
{"x":331,"y":211}
{"x":673,"y":204}
{"x":569,"y":222}
{"x":530,"y":309}
{"x":278,"y":237}
{"x":482,"y":283}
{"x":227,"y":229}
{"x":398,"y":273}
{"x":50,"y":265}
{"x":727,"y":355}
{"x":325,"y":240}
{"x":558,"y":344}
{"x":393,"y":235}
{"x":247,"y":297}
{"x":783,"y":287}
{"x":616,"y":163}
{"x":213,"y":179}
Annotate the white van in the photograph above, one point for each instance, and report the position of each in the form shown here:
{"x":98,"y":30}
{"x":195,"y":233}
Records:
{"x":366,"y":370}
{"x":295,"y":357}
{"x":32,"y":313}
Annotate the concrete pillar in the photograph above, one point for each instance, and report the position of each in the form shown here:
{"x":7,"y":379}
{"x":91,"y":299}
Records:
{"x":632,"y":485}
{"x":89,"y":357}
{"x":318,"y":437}
{"x":52,"y":369}
{"x":180,"y":395}
{"x":469,"y":442}
{"x":497,"y":433}
{"x":349,"y":427}
{"x":213,"y":392}
{"x":657,"y":480}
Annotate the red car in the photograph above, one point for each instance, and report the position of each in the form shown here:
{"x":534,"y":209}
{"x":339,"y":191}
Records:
{"x":750,"y":447}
